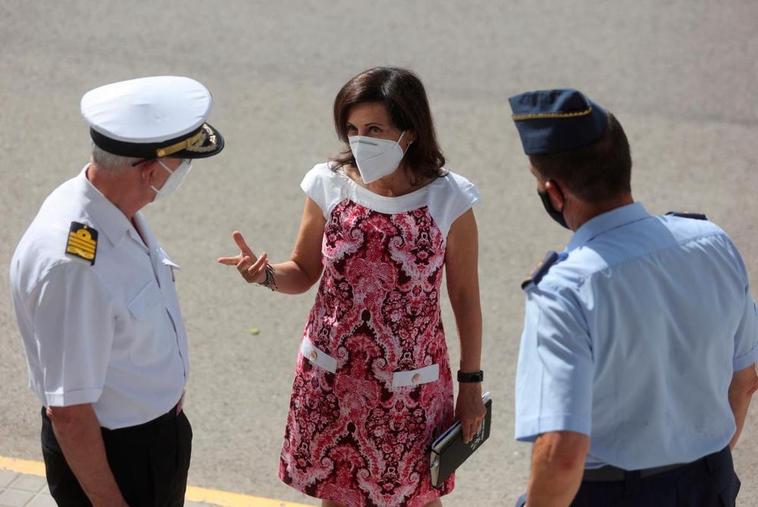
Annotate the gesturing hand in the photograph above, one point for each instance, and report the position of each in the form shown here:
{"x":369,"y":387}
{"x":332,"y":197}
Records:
{"x":252,"y":268}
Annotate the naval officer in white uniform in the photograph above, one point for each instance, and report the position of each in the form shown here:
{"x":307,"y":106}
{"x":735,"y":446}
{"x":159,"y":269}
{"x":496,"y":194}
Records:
{"x":96,"y":304}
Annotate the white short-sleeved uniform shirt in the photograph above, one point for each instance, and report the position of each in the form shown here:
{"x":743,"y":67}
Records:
{"x":633,"y":337}
{"x":447,"y":197}
{"x":109,"y":333}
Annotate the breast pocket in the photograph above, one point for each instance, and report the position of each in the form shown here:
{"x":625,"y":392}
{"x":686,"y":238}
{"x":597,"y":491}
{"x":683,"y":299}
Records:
{"x":153,"y":338}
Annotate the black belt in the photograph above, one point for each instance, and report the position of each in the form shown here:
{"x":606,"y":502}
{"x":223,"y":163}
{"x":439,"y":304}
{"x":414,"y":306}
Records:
{"x":148,"y":426}
{"x":611,"y":474}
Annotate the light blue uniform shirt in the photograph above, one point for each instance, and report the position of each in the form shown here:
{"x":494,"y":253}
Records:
{"x":632,"y":338}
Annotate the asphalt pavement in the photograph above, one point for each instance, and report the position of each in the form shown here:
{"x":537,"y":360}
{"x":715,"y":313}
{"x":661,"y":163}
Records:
{"x":680,"y":75}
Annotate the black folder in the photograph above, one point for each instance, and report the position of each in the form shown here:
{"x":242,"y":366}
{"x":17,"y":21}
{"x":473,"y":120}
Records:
{"x":449,"y":451}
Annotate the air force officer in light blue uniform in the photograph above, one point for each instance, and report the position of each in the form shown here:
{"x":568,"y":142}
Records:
{"x":637,"y":359}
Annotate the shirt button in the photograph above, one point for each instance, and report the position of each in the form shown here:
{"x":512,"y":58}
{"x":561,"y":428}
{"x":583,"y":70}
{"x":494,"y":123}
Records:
{"x":313,"y":356}
{"x":416,"y":378}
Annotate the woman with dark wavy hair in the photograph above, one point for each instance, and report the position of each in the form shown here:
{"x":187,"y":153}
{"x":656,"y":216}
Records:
{"x":373,"y":385}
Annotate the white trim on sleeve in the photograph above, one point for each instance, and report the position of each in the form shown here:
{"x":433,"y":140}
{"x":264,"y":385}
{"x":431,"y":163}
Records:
{"x":324,"y":187}
{"x":450,"y":199}
{"x":447,"y":197}
{"x":77,"y":397}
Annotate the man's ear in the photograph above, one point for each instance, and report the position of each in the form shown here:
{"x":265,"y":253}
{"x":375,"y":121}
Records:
{"x":147,"y":170}
{"x":554,"y":192}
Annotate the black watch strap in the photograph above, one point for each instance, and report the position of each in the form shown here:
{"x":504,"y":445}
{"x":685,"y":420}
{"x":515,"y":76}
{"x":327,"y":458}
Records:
{"x":470,"y":377}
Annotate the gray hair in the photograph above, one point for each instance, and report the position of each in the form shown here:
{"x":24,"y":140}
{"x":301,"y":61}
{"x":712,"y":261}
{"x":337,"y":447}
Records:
{"x":109,"y":161}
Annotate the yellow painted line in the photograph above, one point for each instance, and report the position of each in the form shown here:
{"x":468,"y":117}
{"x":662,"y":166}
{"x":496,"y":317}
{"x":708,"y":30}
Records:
{"x":23,"y":466}
{"x":194,"y":494}
{"x":216,"y":497}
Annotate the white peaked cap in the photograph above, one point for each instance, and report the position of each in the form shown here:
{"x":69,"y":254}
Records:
{"x":152,"y":117}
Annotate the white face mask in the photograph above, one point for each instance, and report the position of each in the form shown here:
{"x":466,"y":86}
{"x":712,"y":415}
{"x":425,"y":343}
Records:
{"x":175,"y":179}
{"x":374,"y":157}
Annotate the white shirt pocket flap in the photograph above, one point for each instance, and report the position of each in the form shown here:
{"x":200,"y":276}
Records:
{"x":147,"y":300}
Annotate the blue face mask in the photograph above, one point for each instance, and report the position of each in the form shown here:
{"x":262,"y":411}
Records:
{"x":175,"y":179}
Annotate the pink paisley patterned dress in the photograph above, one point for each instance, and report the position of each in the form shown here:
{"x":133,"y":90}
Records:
{"x":372,"y":386}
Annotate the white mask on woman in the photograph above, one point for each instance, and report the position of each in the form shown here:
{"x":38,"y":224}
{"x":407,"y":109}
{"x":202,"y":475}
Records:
{"x":374,"y":157}
{"x":175,"y":179}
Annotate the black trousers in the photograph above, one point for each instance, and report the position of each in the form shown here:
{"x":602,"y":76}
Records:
{"x":150,"y":462}
{"x":708,"y":482}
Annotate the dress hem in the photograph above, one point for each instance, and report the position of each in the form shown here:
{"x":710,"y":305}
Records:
{"x":338,"y":499}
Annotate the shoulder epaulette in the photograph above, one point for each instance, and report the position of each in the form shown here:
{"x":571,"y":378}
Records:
{"x":82,"y":242}
{"x":542,"y":268}
{"x":684,"y":214}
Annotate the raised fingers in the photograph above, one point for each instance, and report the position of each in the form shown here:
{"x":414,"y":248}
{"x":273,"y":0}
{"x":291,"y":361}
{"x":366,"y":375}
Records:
{"x":258,"y":265}
{"x":252,"y":270}
{"x":229,"y":261}
{"x":245,"y":251}
{"x":242,"y":244}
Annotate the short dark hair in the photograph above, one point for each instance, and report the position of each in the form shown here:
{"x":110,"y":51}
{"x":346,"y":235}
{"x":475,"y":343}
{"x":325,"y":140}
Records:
{"x":403,"y":95}
{"x":595,"y":173}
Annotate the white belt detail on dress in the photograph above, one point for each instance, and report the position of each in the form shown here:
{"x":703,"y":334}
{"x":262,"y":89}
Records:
{"x":416,"y":377}
{"x":318,"y":356}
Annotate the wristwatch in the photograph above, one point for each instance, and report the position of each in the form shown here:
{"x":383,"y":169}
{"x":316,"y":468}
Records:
{"x":470,"y":377}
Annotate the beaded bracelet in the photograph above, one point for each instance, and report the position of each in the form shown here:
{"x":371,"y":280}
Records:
{"x":270,"y":280}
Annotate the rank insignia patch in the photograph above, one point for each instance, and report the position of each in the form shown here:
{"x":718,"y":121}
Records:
{"x":543,"y":267}
{"x":82,"y":242}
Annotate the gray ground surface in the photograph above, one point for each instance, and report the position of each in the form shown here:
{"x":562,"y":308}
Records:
{"x":680,"y":75}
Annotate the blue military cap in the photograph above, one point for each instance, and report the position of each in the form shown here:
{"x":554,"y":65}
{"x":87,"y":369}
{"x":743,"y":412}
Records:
{"x":551,"y":121}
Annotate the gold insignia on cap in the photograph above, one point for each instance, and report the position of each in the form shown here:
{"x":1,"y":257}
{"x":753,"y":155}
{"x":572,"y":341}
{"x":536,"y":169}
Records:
{"x":208,"y":135}
{"x":195,"y":143}
{"x":181,"y":145}
{"x":82,"y":242}
{"x":551,"y":115}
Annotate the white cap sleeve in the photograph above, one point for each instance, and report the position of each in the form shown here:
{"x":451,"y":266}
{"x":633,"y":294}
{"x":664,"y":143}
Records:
{"x":324,"y":186}
{"x":450,"y":198}
{"x":74,"y":329}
